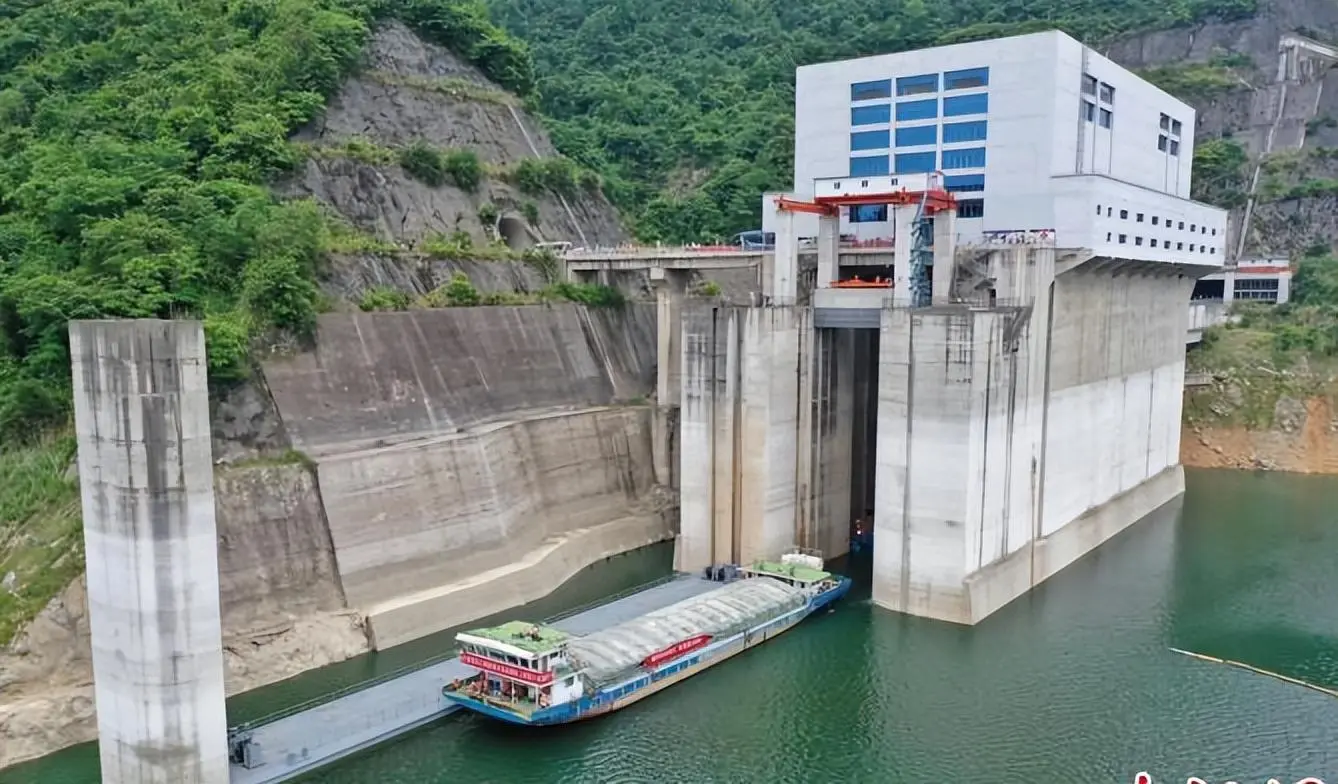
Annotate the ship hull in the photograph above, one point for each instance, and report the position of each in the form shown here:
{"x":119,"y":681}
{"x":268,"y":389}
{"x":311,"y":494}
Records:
{"x":616,"y":698}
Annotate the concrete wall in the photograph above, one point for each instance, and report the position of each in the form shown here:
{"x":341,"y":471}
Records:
{"x":958,"y":441}
{"x":741,"y":431}
{"x":386,"y":376}
{"x":412,"y":517}
{"x":1013,"y":440}
{"x":1117,"y":383}
{"x":455,"y":447}
{"x":826,"y":524}
{"x":275,"y":557}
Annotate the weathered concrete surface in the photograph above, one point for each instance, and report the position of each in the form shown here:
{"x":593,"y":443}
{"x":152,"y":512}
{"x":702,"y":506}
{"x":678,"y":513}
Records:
{"x":381,"y":377}
{"x":1013,"y":440}
{"x":474,"y":448}
{"x":556,"y":560}
{"x":146,"y":475}
{"x":424,"y":514}
{"x":275,"y":555}
{"x":741,"y":433}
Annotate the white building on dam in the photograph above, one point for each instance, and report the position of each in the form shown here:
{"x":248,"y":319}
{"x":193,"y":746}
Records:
{"x":1013,"y":399}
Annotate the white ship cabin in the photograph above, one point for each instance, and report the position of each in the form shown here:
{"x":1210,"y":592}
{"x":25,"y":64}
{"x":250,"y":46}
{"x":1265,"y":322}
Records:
{"x":800,"y":568}
{"x":522,"y":666}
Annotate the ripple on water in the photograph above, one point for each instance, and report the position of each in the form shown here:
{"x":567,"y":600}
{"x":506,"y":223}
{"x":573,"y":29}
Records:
{"x":1072,"y":683}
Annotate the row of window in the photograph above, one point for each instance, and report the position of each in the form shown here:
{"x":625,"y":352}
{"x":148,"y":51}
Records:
{"x":1170,"y":125}
{"x":1157,"y":220}
{"x":918,"y":85}
{"x":955,"y":106}
{"x":877,"y":213}
{"x":1168,"y":145}
{"x":1091,"y":114}
{"x":917,"y":162}
{"x":1090,"y":86}
{"x":918,"y":135}
{"x":1165,"y":245}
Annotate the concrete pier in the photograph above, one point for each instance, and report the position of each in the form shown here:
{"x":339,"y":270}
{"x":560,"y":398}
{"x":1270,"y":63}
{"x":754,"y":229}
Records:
{"x":146,"y":474}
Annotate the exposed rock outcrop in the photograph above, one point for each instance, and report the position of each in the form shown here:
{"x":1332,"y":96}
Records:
{"x":1265,"y":115}
{"x":412,"y":91}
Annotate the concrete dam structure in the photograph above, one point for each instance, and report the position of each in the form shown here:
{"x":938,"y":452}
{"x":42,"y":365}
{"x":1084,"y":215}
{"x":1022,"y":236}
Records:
{"x":990,"y":444}
{"x":472,"y":459}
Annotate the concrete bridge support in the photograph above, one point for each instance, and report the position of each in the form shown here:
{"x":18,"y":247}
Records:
{"x":146,"y":473}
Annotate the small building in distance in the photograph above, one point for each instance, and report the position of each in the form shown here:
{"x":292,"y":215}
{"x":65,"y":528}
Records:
{"x":1250,"y":280}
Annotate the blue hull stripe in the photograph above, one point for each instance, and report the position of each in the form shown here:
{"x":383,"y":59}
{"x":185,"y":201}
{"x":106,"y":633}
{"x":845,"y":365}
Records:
{"x":620,"y":695}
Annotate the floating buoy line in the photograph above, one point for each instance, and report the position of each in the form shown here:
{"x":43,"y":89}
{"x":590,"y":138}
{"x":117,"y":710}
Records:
{"x":1257,"y":670}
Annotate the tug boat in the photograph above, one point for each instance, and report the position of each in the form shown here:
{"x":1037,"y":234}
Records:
{"x":533,"y":674}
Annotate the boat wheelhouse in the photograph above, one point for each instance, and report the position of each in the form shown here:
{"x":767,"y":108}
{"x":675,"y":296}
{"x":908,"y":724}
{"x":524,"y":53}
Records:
{"x":535,"y":674}
{"x":522,"y":667}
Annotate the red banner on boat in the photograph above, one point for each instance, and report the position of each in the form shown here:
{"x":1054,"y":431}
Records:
{"x":506,"y":670}
{"x":676,"y":650}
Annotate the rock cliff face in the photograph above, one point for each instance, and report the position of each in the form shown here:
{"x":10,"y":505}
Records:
{"x":410,"y":91}
{"x":1230,"y":73}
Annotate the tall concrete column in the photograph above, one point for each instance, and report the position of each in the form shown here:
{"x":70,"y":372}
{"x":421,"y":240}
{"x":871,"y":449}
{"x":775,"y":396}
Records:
{"x":945,"y":256}
{"x":146,"y":474}
{"x":829,"y":249}
{"x":670,"y":289}
{"x":902,"y":218}
{"x":785,"y":264}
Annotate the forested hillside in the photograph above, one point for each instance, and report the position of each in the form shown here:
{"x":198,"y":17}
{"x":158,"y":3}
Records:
{"x":136,"y":141}
{"x":685,"y":106}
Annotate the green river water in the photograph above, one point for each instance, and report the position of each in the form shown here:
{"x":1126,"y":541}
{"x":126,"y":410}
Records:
{"x":1073,"y":683}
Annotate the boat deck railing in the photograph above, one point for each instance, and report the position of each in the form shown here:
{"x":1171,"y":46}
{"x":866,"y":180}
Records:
{"x":450,"y":653}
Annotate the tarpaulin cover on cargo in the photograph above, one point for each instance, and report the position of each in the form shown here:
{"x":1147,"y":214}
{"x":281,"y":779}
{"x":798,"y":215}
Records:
{"x":616,"y":653}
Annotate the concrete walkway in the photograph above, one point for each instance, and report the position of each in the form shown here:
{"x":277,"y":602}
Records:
{"x":296,"y":744}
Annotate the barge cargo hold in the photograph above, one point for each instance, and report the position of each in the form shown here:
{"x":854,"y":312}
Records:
{"x":538,"y":675}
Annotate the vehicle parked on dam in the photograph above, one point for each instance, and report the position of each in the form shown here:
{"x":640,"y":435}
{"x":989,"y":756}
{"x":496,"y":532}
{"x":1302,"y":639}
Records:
{"x":535,"y":674}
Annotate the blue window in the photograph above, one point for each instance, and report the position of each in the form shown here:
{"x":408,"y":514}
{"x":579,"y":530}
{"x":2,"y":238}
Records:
{"x":871,"y":115}
{"x":918,"y":110}
{"x":915,"y":162}
{"x":872,"y":166}
{"x":917,"y":85}
{"x":870,"y":140}
{"x":866,"y":91}
{"x":966,"y":104}
{"x":970,"y":158}
{"x":964,"y":80}
{"x":868,"y":213}
{"x":964,"y":132}
{"x":958,"y":183}
{"x":924,"y":134}
{"x":971,"y":208}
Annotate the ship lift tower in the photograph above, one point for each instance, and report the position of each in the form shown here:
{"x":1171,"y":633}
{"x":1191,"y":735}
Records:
{"x":912,"y":201}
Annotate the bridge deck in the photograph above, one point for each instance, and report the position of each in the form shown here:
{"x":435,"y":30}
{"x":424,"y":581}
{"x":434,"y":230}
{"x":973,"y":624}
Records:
{"x":296,"y":744}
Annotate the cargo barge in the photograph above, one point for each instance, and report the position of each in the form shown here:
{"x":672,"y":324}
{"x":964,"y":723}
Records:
{"x":537,"y":675}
